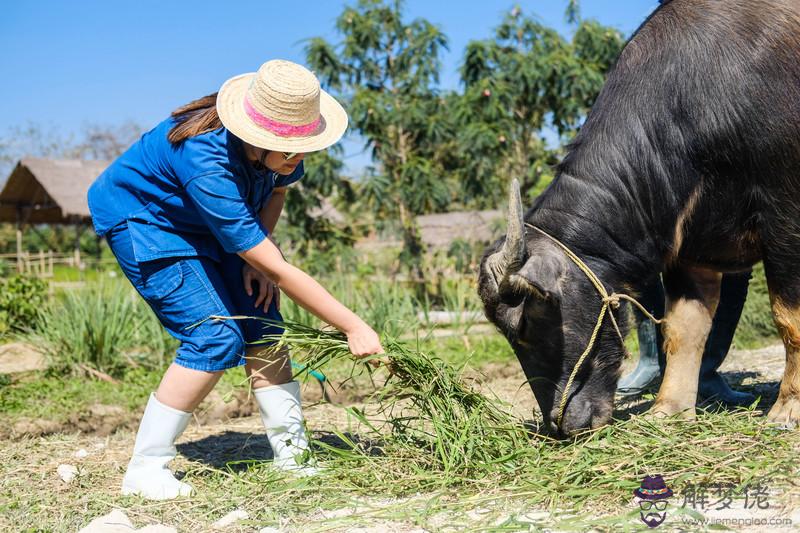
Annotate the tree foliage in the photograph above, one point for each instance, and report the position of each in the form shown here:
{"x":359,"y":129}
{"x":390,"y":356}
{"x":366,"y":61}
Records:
{"x":435,"y":150}
{"x":523,"y":81}
{"x":386,"y":69}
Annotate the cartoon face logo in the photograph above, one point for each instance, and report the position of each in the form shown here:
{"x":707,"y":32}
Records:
{"x":653,"y":496}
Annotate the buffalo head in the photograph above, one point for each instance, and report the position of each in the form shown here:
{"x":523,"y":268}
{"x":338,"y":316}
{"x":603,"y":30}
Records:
{"x":547,"y":308}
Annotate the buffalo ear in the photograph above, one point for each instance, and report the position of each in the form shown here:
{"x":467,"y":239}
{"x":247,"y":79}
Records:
{"x":543,"y":275}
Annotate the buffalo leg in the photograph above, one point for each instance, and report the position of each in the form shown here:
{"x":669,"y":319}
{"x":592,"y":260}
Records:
{"x":692,"y":296}
{"x":784,"y":295}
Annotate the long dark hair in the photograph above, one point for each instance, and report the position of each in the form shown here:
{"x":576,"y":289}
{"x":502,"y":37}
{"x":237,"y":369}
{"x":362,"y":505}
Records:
{"x":196,"y":117}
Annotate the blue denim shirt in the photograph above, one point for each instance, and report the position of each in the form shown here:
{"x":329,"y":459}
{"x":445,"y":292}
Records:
{"x":185,"y":200}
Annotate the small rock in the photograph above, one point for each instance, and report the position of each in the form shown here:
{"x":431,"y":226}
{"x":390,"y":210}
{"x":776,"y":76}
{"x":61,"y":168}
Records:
{"x":114,"y":522}
{"x":230,"y":518}
{"x":80,"y":454}
{"x":99,"y":445}
{"x":67,"y":472}
{"x":269,"y":529}
{"x":118,"y":522}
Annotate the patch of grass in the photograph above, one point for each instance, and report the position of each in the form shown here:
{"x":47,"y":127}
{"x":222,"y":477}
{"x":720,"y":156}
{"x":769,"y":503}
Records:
{"x":426,"y":406}
{"x":93,"y":274}
{"x":473,"y":350}
{"x":58,"y":398}
{"x":756,"y":327}
{"x":572,"y":486}
{"x":105,"y":327}
{"x":435,"y":433}
{"x":55,"y":397}
{"x":386,"y":306}
{"x":426,"y":451}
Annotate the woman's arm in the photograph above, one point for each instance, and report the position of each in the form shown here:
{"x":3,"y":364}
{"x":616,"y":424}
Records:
{"x":271,"y":212}
{"x":309,"y":294}
{"x":267,"y":290}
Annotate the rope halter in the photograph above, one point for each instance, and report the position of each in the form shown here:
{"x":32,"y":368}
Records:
{"x":609,"y":301}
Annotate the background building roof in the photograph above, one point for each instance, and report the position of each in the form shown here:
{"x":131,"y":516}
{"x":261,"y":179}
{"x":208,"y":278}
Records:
{"x":49,"y":191}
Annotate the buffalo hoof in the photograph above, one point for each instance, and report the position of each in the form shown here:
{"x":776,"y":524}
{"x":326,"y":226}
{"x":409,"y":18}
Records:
{"x":785,"y":412}
{"x":665,"y":409}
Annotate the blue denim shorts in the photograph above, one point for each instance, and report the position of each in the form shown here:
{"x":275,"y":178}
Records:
{"x":185,"y":291}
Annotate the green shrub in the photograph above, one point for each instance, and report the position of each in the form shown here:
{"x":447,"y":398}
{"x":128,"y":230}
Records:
{"x":756,"y":327}
{"x":105,"y":326}
{"x":21,"y":298}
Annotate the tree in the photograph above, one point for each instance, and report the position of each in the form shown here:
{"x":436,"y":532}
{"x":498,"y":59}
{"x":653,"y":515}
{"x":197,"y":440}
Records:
{"x":387,"y":69}
{"x":105,"y":142}
{"x":527,"y":78}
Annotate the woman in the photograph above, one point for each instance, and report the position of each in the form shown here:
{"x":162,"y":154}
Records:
{"x":188,"y":212}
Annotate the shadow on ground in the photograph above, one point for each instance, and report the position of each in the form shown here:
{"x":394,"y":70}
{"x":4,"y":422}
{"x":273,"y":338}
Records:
{"x":745,"y":381}
{"x":237,"y":451}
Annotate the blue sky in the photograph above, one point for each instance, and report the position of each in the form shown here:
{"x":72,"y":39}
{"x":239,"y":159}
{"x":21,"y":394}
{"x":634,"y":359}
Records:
{"x":67,"y":64}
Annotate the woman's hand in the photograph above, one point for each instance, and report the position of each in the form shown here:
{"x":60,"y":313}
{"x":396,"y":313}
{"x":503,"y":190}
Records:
{"x":267,"y":289}
{"x":363,"y":341}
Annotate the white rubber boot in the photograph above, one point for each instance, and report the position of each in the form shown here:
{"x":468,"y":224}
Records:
{"x":147,"y":473}
{"x":282,"y":415}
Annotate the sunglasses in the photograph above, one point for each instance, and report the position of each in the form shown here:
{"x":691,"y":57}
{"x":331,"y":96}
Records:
{"x":286,"y":156}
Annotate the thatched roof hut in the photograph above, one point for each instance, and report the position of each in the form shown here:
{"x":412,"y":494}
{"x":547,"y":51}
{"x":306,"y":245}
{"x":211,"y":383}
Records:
{"x":441,"y":229}
{"x":49,"y":191}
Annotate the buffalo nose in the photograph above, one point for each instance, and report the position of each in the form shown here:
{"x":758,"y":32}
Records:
{"x":577,"y":417}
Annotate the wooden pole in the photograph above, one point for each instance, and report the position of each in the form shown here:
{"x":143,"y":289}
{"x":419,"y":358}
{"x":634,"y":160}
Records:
{"x":19,"y":241}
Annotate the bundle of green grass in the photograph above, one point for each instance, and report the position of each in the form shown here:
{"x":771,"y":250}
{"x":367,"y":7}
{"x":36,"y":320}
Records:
{"x":426,"y":411}
{"x":434,"y":431}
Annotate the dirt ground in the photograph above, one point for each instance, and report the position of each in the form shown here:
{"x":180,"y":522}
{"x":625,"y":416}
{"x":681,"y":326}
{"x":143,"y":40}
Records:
{"x":230,"y":431}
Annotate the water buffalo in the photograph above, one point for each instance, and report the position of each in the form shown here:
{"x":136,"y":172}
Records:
{"x":688,"y":165}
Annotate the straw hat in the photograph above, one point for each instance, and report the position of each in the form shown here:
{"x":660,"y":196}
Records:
{"x":281,"y":107}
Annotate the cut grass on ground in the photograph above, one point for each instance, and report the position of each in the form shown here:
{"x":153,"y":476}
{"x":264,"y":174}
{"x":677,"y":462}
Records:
{"x":572,"y":486}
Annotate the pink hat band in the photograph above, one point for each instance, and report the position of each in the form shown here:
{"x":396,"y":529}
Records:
{"x":279,"y":128}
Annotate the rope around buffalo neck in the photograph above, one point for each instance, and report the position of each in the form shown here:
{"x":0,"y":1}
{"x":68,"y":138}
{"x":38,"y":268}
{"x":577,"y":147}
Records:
{"x":610,"y":301}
